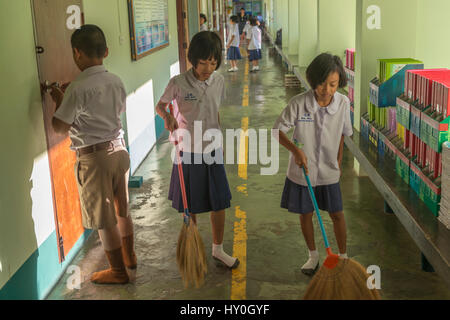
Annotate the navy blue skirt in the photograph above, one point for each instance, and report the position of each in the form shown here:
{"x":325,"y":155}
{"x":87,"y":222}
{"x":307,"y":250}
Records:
{"x":207,"y":186}
{"x":296,"y":198}
{"x":234,"y":53}
{"x":255,"y":55}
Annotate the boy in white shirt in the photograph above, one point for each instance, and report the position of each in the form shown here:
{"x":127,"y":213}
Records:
{"x":89,"y":109}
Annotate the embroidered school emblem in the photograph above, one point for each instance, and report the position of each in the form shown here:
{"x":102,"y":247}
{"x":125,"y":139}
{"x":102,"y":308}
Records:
{"x":306,"y":118}
{"x":190,"y":97}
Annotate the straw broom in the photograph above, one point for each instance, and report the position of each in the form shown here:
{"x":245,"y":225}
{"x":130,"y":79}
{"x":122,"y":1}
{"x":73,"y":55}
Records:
{"x":191,"y":258}
{"x":337,"y":279}
{"x":346,"y":281}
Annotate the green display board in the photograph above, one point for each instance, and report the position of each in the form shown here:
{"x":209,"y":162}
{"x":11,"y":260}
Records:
{"x":149,"y":26}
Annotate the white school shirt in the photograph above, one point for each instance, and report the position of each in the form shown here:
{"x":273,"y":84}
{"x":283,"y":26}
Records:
{"x":319,"y":130}
{"x":196,"y":101}
{"x":203,"y":27}
{"x":234,"y":30}
{"x":92,"y":104}
{"x":255,"y":41}
{"x":247,"y":30}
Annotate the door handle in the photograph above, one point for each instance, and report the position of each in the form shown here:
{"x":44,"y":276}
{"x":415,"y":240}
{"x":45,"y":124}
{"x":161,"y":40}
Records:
{"x":46,"y":86}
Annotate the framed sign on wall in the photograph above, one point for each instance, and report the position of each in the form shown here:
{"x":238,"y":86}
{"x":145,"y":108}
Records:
{"x":149,"y":26}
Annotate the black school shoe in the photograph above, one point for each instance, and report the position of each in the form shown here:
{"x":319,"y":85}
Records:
{"x":311,"y":272}
{"x":234,"y":266}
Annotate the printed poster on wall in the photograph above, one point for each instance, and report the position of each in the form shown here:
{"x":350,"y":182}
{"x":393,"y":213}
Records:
{"x":149,"y":26}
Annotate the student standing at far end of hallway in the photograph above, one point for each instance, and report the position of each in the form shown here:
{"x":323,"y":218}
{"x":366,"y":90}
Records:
{"x":248,"y":32}
{"x":242,"y":20}
{"x":233,"y":53}
{"x":254,"y":47}
{"x":203,"y":23}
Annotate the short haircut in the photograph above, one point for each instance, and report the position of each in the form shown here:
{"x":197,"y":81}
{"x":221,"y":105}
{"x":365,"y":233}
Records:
{"x":91,"y":40}
{"x":242,"y":9}
{"x":253,"y":21}
{"x":204,"y":46}
{"x":322,"y":66}
{"x":203,"y":16}
{"x":235,"y":19}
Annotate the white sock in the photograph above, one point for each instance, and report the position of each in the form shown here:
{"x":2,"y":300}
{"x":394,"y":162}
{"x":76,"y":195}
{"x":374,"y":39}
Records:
{"x":343,"y":256}
{"x":312,"y":261}
{"x":217,"y":252}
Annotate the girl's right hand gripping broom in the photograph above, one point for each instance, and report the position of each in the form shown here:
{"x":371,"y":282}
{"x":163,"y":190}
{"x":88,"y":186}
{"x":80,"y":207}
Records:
{"x":337,"y":279}
{"x":191,"y":258}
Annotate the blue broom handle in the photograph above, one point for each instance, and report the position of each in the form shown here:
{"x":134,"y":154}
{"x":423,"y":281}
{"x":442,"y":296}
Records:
{"x":313,"y":198}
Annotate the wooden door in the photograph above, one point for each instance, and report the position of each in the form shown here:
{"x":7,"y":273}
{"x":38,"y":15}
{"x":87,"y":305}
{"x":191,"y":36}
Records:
{"x":183,"y":34}
{"x":54,"y":23}
{"x":214,"y":5}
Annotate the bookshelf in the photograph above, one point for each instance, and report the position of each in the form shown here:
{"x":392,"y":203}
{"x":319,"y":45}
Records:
{"x":413,"y":131}
{"x":350,"y":72}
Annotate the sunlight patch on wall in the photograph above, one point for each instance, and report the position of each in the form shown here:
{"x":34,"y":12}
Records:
{"x":175,"y":69}
{"x":141,"y":123}
{"x":42,"y":199}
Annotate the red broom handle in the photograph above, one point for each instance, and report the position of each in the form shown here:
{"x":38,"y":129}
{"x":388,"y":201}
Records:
{"x":183,"y":189}
{"x":180,"y":172}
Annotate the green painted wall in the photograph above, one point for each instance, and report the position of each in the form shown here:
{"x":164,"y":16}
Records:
{"x":395,"y":39}
{"x":336,"y":26}
{"x":293,"y":27}
{"x":21,"y":126}
{"x":193,"y":20}
{"x":433,"y":33}
{"x":284,"y":23}
{"x":308,"y":31}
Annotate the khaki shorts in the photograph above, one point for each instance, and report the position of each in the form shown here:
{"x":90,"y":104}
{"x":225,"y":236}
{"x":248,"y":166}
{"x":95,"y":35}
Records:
{"x":102,"y":179}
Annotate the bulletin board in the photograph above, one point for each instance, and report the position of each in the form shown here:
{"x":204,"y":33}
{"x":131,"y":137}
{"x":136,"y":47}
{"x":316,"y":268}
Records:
{"x":149,"y":26}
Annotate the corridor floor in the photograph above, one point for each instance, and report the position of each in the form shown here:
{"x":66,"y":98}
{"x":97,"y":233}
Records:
{"x":269,"y":237}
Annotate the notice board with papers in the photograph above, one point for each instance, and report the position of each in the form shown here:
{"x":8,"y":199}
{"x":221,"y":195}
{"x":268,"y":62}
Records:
{"x":149,"y":26}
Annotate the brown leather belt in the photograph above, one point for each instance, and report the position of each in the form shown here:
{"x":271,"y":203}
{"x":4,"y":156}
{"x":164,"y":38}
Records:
{"x":98,"y":147}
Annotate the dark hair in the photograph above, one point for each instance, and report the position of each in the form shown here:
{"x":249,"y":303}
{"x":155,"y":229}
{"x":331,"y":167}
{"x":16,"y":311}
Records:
{"x":321,"y":67}
{"x":203,"y":16}
{"x":242,"y":9}
{"x":235,"y":19}
{"x":204,"y":46}
{"x":253,"y":21}
{"x":91,"y":40}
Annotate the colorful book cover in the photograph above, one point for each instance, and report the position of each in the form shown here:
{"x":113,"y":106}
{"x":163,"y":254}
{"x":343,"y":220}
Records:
{"x":389,"y":67}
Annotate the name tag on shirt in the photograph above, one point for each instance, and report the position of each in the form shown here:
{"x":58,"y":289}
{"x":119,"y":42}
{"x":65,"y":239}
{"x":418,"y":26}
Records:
{"x":307,"y":117}
{"x":190,"y":97}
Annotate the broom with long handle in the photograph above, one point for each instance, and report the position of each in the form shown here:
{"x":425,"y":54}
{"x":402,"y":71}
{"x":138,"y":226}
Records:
{"x":337,"y":279}
{"x":332,"y":259}
{"x":191,"y":258}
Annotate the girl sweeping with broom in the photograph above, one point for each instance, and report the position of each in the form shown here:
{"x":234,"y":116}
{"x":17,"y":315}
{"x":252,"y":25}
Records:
{"x":321,"y":119}
{"x":198,"y":94}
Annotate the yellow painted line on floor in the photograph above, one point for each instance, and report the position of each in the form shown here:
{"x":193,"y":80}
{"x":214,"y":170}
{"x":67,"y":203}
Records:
{"x":243,"y":150}
{"x":239,"y":275}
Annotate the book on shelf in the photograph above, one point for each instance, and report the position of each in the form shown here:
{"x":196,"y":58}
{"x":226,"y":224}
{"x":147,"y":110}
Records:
{"x":444,"y":214}
{"x":388,"y":67}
